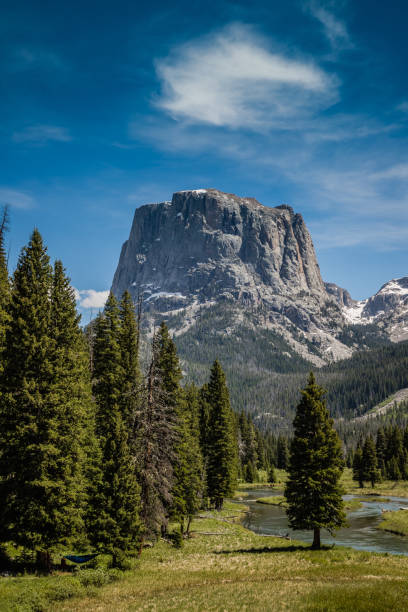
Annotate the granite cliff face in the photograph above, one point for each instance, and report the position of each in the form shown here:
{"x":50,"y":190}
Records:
{"x":206,"y":247}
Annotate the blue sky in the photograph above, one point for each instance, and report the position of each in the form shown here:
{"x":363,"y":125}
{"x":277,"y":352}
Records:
{"x":106,"y":106}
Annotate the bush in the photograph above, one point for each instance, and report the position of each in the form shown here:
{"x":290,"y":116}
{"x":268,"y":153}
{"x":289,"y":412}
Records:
{"x":64,"y":588}
{"x":30,"y":600}
{"x":177,"y":538}
{"x":98,"y":577}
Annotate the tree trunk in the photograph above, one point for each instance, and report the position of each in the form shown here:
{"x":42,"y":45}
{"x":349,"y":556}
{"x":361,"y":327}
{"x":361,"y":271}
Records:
{"x":43,"y":561}
{"x":316,"y":538}
{"x":190,"y":518}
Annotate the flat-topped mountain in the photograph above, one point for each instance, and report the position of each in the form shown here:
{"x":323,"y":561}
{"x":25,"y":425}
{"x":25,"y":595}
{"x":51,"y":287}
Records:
{"x":205,"y":247}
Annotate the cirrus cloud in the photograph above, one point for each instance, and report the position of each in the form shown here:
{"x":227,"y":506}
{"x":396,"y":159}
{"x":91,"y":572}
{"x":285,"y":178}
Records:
{"x":42,"y":134}
{"x":232,"y":79}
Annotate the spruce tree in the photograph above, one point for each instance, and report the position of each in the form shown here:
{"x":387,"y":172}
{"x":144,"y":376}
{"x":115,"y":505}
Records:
{"x":316,"y":463}
{"x":117,"y":526}
{"x":222,"y":446}
{"x":380,"y":451}
{"x":369,"y":461}
{"x":129,"y":349}
{"x":4,"y":287}
{"x":188,"y":466}
{"x":156,"y":435}
{"x":41,"y":408}
{"x":358,"y":469}
{"x":283,"y":453}
{"x":108,"y":373}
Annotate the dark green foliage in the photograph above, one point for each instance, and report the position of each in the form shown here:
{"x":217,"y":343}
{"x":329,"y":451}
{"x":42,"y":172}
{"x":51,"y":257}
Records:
{"x":188,"y":488}
{"x":265,"y":374}
{"x":108,"y":372}
{"x":156,"y":434}
{"x":380,"y":451}
{"x":117,"y":498}
{"x":43,"y":407}
{"x":369,"y":462}
{"x":4,"y":286}
{"x":248,"y":446}
{"x":272,"y":475}
{"x":222,"y":446}
{"x":316,"y":464}
{"x":283,"y":453}
{"x":129,"y":349}
{"x":118,"y":527}
{"x":358,"y":466}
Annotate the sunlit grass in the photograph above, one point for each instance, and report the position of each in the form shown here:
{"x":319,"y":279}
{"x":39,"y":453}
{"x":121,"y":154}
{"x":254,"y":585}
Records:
{"x":235,"y":569}
{"x":395,"y":522}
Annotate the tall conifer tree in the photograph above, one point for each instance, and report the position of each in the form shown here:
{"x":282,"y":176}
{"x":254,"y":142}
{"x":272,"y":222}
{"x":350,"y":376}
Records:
{"x":316,"y":463}
{"x":129,"y":349}
{"x":222,"y":445}
{"x":4,"y":286}
{"x":156,"y":437}
{"x":117,"y":527}
{"x":41,"y":409}
{"x":369,"y":462}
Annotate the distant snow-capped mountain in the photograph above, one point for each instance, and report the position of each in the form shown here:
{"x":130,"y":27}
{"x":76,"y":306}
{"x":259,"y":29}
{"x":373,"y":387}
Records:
{"x":388,"y":309}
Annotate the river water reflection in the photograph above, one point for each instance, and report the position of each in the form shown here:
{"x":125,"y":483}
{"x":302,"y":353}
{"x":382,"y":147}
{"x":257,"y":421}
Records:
{"x":361,"y":533}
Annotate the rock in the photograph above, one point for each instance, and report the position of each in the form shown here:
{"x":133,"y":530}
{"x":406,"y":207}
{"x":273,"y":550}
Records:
{"x":206,"y":246}
{"x":387,"y":309}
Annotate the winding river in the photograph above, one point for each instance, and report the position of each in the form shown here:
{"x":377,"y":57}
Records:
{"x":361,"y":533}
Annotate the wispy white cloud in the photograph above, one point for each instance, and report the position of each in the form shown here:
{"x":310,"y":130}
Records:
{"x":232,"y":79}
{"x":89,"y":298}
{"x":17,"y":199}
{"x":334,"y":28}
{"x":403,"y":107}
{"x":42,"y":134}
{"x":340,"y":231}
{"x":26,"y":58}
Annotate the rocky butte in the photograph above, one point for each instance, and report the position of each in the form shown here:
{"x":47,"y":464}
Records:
{"x":205,"y":247}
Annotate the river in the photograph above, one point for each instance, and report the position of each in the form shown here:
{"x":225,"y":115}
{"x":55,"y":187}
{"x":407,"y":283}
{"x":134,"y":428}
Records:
{"x":361,"y":533}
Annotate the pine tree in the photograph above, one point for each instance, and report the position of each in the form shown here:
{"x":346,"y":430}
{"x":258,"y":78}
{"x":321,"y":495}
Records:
{"x":222,"y":446}
{"x":108,"y":373}
{"x":313,"y":492}
{"x":283,"y":453}
{"x":358,"y":471}
{"x":188,"y":467}
{"x":71,"y":396}
{"x":117,"y":526}
{"x":369,"y":461}
{"x":129,"y":348}
{"x":4,"y":287}
{"x":156,"y":436}
{"x":41,"y":408}
{"x":380,"y":450}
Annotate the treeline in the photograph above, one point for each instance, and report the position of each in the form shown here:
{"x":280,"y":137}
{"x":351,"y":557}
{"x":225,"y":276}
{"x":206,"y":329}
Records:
{"x":94,"y":453}
{"x":265,"y":374}
{"x":382,"y":456}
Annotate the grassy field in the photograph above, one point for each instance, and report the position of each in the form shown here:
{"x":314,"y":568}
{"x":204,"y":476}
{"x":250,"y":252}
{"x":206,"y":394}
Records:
{"x":234,"y":569}
{"x":386,"y":488}
{"x":396,"y":522}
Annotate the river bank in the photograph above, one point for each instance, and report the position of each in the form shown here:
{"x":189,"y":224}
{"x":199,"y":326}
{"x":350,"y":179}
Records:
{"x":236,"y":569}
{"x":387,"y":488}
